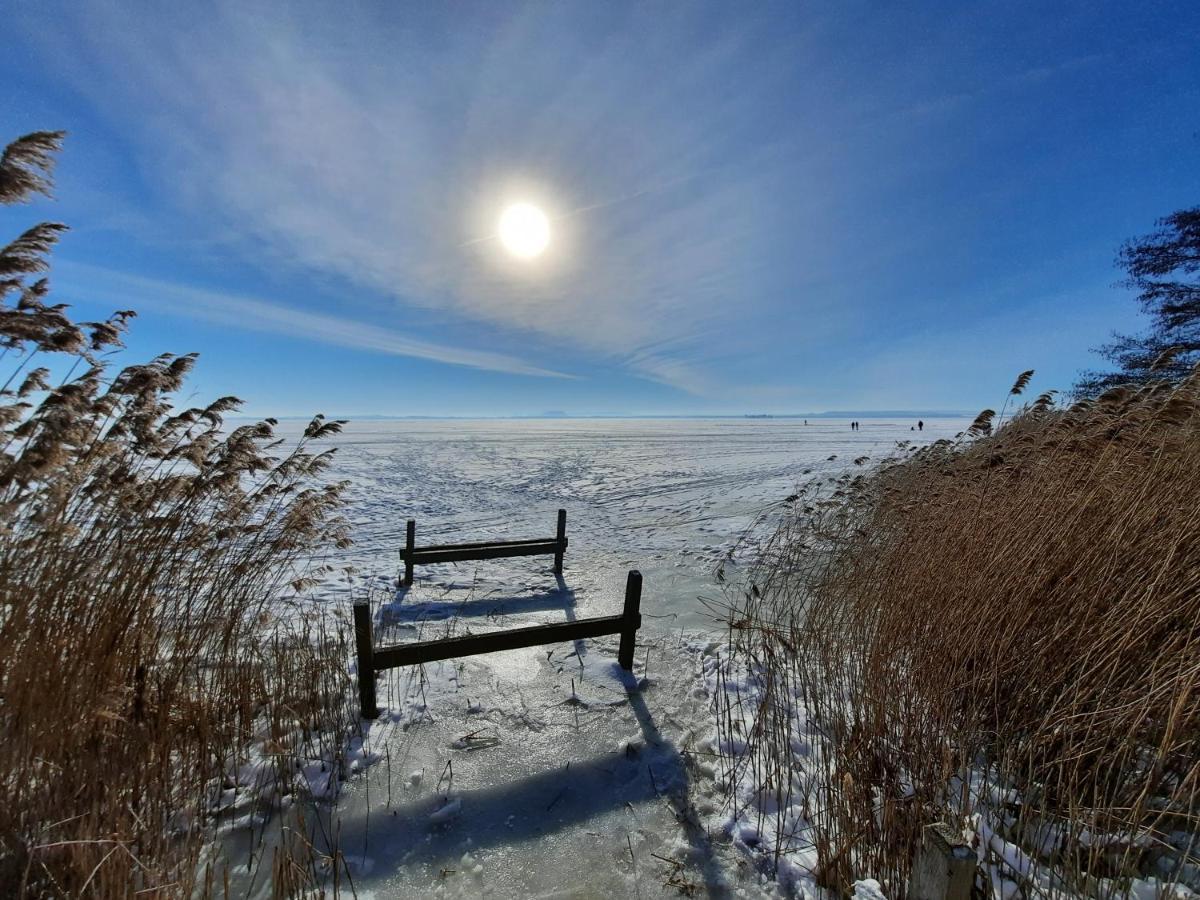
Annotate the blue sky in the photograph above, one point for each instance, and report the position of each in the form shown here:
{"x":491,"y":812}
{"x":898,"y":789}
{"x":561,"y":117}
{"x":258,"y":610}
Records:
{"x":755,"y":207}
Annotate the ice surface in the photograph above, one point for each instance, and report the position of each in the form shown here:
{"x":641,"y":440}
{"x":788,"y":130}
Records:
{"x":671,"y":497}
{"x":548,"y":772}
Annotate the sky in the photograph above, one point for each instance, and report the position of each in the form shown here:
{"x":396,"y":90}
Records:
{"x":754,"y":207}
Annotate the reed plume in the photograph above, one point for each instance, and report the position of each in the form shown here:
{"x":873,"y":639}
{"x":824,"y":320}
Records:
{"x":145,"y":551}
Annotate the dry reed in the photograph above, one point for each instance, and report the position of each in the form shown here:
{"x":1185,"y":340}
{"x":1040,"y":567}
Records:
{"x":1001,"y":632}
{"x":141,"y":549}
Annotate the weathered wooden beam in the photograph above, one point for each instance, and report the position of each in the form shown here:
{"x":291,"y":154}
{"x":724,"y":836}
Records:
{"x":495,"y":641}
{"x":412,"y":555}
{"x":423,"y":556}
{"x":365,"y":653}
{"x":632,"y":619}
{"x":944,"y":868}
{"x":468,"y":544}
{"x":372,"y":659}
{"x":561,"y":539}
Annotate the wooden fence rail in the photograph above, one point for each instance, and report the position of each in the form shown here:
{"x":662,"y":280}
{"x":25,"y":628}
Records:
{"x":412,"y":555}
{"x":372,"y":659}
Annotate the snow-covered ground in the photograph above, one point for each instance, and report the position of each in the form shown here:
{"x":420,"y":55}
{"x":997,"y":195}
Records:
{"x":545,"y":772}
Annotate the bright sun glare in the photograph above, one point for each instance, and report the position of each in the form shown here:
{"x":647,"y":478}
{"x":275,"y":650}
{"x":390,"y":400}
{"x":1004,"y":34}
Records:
{"x":524,"y":230}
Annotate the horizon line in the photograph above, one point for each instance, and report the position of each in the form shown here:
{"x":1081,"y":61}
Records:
{"x":830,"y":414}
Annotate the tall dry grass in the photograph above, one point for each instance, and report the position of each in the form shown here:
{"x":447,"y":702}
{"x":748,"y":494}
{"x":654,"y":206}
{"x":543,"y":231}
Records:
{"x":1002,"y":632}
{"x":141,"y":549}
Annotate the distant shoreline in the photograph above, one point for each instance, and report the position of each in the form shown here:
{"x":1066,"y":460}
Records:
{"x":837,"y":414}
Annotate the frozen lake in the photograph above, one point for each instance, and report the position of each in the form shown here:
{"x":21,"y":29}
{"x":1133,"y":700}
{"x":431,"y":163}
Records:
{"x":544,"y":772}
{"x":670,"y":497}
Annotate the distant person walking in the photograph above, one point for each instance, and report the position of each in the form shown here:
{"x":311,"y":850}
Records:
{"x":920,"y":425}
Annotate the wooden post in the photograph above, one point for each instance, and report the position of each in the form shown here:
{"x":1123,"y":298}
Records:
{"x":562,"y":541}
{"x":410,"y":544}
{"x":944,"y":868}
{"x":631,"y":620}
{"x":366,"y":661}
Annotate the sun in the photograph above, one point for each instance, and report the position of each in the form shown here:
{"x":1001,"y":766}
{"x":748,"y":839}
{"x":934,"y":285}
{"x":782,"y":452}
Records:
{"x":524,"y":230}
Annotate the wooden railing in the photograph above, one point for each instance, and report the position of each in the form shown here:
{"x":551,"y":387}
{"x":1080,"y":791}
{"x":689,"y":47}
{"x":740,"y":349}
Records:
{"x":412,"y":555}
{"x":372,"y":659}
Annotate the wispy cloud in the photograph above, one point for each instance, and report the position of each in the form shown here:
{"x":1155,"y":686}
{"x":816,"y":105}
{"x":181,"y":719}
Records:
{"x":742,"y":195}
{"x":388,"y":181}
{"x":253,"y":314}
